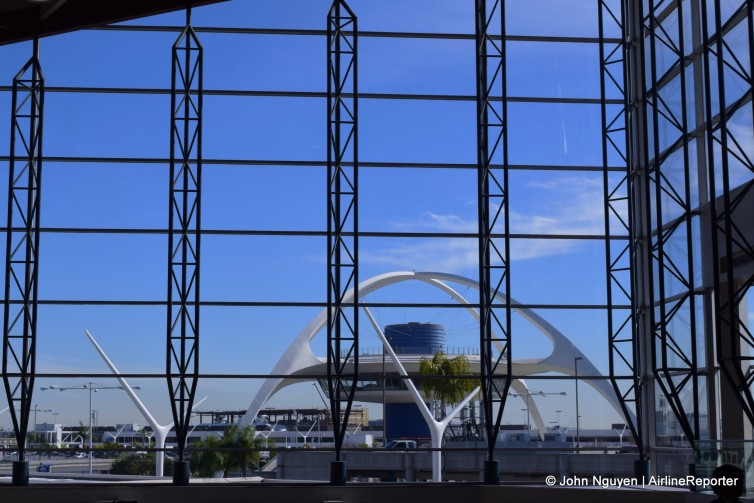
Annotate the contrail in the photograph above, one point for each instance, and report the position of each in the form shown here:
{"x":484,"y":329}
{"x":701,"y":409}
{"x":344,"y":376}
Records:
{"x":562,"y":122}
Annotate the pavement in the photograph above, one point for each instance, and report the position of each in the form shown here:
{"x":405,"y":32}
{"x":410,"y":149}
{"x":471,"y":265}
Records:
{"x":60,"y":465}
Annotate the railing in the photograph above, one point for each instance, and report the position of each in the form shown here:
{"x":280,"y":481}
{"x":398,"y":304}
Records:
{"x":449,"y":350}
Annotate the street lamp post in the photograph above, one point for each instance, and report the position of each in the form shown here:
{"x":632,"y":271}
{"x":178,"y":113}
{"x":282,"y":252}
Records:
{"x":576,"y":372}
{"x":529,"y":394}
{"x":54,"y":429}
{"x":37,"y":409}
{"x":91,"y":387}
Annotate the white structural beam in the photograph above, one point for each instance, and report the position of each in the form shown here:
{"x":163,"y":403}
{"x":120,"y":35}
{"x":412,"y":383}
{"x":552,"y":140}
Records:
{"x":436,"y":428}
{"x":160,"y":431}
{"x":519,"y":386}
{"x":299,"y":358}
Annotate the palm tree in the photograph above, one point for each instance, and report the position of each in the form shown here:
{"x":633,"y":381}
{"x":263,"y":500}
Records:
{"x":440,"y":381}
{"x":238,"y":449}
{"x":207,"y":459}
{"x":145,"y":439}
{"x":83,"y":431}
{"x":242,"y":443}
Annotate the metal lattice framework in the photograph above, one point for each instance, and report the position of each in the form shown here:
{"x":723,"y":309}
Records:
{"x":671,"y":216}
{"x":184,"y":229}
{"x":494,"y":243}
{"x":342,"y":215}
{"x":732,"y":243}
{"x":654,"y":213}
{"x":22,"y":244}
{"x":619,"y":200}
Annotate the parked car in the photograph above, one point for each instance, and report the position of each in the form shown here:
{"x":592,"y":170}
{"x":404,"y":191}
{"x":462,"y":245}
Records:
{"x":401,"y":444}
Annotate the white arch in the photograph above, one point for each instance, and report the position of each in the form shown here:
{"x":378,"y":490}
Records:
{"x":299,"y":356}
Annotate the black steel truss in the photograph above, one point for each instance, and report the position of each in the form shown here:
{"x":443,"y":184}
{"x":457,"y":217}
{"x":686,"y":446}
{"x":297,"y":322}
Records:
{"x":342,"y":215}
{"x":731,"y":245}
{"x":494,"y":240}
{"x":182,"y":365}
{"x":671,"y":218}
{"x":619,"y":201}
{"x":674,"y":365}
{"x":22,"y":245}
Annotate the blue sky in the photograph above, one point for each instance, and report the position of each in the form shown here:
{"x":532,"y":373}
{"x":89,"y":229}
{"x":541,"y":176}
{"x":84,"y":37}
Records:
{"x":264,"y":268}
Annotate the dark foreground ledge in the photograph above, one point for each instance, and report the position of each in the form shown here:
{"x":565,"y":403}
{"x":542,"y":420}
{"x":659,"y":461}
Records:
{"x":199,"y":492}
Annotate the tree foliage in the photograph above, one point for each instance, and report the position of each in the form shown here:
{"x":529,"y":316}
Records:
{"x":137,"y":464}
{"x":236,"y":450}
{"x":145,"y":438}
{"x":83,"y":430}
{"x":441,"y":381}
{"x":240,"y":439}
{"x":109,"y":449}
{"x":205,"y":457}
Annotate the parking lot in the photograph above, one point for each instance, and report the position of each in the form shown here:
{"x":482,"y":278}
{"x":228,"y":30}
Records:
{"x":55,"y":463}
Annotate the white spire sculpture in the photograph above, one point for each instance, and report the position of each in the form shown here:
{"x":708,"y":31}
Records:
{"x":436,"y":428}
{"x":160,"y":431}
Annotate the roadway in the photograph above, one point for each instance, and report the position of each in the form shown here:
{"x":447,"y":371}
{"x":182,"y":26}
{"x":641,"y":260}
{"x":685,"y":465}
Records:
{"x":61,"y":465}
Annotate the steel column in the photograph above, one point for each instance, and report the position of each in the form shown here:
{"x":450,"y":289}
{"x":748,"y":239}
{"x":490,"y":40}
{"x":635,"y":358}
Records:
{"x":342,"y":221}
{"x":674,"y":352}
{"x":494,"y":242}
{"x":640,"y":196}
{"x":619,"y":200}
{"x":182,"y":357}
{"x":732,"y":246}
{"x":22,"y":249}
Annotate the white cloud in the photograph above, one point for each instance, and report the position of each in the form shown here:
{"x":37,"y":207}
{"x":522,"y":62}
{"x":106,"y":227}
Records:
{"x":458,"y":255}
{"x":564,"y":206}
{"x":573,"y":205}
{"x":430,"y":221}
{"x":448,"y":255}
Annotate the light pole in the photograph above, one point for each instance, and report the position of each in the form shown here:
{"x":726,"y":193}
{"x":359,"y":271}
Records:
{"x":37,"y":409}
{"x":384,"y":402}
{"x":529,"y":394}
{"x":54,"y":428}
{"x":91,"y":387}
{"x":558,"y":413}
{"x":576,"y":372}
